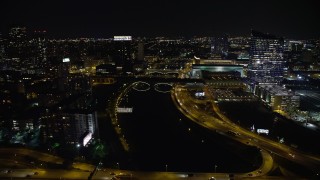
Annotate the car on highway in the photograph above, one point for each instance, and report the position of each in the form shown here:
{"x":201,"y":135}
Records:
{"x":7,"y":171}
{"x":292,"y":155}
{"x":4,"y":171}
{"x":233,"y":133}
{"x":123,"y":175}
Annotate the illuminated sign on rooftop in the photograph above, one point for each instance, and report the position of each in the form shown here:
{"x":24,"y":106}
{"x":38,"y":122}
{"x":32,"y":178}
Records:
{"x":262,"y":131}
{"x":122,"y":38}
{"x":124,"y":110}
{"x":66,"y":60}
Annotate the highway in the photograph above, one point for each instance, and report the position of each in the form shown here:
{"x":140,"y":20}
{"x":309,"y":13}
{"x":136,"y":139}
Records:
{"x":107,"y":174}
{"x":83,"y":170}
{"x":215,"y":120}
{"x":39,"y":155}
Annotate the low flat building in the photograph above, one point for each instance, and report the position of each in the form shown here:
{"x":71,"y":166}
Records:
{"x":197,"y":69}
{"x":110,"y":69}
{"x":223,"y":79}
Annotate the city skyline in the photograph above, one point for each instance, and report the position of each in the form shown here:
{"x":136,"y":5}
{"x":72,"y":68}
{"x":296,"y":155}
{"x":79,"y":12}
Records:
{"x":159,"y":89}
{"x":163,"y":18}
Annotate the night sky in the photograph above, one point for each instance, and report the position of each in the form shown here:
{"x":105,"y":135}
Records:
{"x":105,"y":18}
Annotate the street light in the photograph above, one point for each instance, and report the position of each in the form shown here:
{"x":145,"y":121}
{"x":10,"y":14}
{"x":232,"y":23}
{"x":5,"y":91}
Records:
{"x":215,"y":168}
{"x":166,"y":167}
{"x":118,"y":165}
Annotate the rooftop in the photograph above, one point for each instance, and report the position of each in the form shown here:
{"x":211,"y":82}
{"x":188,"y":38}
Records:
{"x":278,"y":90}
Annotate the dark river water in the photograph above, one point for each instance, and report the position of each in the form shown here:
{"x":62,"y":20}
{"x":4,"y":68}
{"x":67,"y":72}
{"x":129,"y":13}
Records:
{"x":159,"y":138}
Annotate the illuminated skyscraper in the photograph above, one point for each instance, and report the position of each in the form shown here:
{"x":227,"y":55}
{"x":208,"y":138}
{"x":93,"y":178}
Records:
{"x":40,"y":42}
{"x":267,"y":65}
{"x":123,"y":52}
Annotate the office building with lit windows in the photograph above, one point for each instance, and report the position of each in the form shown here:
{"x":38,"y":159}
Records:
{"x":2,"y":52}
{"x":69,"y":127}
{"x":122,"y":53}
{"x":40,"y":46}
{"x":267,"y":64}
{"x":277,"y":97}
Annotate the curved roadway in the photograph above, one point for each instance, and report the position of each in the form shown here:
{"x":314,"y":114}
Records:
{"x":213,"y":119}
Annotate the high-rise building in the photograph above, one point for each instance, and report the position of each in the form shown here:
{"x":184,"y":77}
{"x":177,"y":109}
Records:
{"x":17,"y":42}
{"x":122,"y":54}
{"x":267,"y":64}
{"x":219,"y":47}
{"x":140,"y":51}
{"x":2,"y":52}
{"x":40,"y":43}
{"x":70,"y":127}
{"x":85,"y":126}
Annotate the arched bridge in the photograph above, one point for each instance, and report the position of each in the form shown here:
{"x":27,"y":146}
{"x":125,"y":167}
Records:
{"x":162,"y":87}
